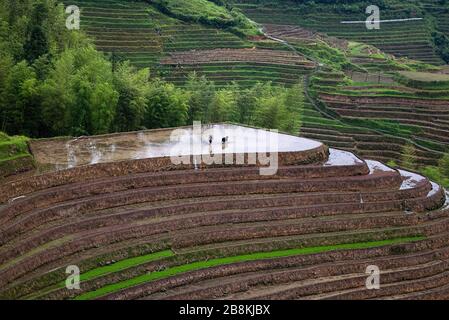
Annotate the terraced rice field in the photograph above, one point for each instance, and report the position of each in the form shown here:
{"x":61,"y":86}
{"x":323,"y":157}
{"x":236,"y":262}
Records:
{"x":421,"y":114}
{"x":124,"y":28}
{"x":354,"y":114}
{"x":361,"y":141}
{"x":410,"y":39}
{"x":245,"y":66}
{"x":443,"y":23}
{"x":441,"y":14}
{"x":308,"y":232}
{"x":337,"y":123}
{"x":142,"y":228}
{"x":138,"y":32}
{"x":430,"y":119}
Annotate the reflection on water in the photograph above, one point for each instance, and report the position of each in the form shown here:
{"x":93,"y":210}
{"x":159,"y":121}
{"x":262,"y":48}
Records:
{"x":71,"y":157}
{"x":96,"y":155}
{"x":61,"y":154}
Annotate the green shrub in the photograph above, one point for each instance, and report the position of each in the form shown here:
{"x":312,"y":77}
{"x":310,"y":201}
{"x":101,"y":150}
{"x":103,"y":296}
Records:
{"x":14,"y":155}
{"x":409,"y":156}
{"x":436,"y":174}
{"x":208,"y":13}
{"x":12,"y":146}
{"x":443,"y":164}
{"x":441,"y":43}
{"x":392,"y":164}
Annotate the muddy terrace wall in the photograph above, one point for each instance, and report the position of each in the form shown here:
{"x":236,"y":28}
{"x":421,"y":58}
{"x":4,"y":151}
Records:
{"x":127,"y":184}
{"x":429,"y":103}
{"x":104,"y":170}
{"x":127,"y":197}
{"x":327,"y":208}
{"x":422,"y":226}
{"x":338,"y":264}
{"x":329,"y":270}
{"x":404,"y":253}
{"x":145,"y":289}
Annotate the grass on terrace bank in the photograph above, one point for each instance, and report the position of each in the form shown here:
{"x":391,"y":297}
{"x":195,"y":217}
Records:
{"x":124,"y":264}
{"x":12,"y":146}
{"x":440,"y":173}
{"x":209,"y":13}
{"x":105,"y":270}
{"x":241,"y":258}
{"x":424,"y":80}
{"x":425,"y":76}
{"x":14,"y":155}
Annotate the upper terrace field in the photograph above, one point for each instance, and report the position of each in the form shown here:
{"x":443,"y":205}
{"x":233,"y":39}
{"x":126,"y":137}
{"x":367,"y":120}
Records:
{"x":136,"y":31}
{"x":61,"y":153}
{"x":241,"y":65}
{"x":425,"y":80}
{"x":149,"y":37}
{"x":411,"y":39}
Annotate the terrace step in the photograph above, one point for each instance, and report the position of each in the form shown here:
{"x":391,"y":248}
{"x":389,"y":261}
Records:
{"x":77,"y":246}
{"x":439,"y":293}
{"x":427,"y":282}
{"x":254,"y":281}
{"x":411,"y":181}
{"x":380,"y":177}
{"x":305,"y":288}
{"x":368,"y":255}
{"x":262,"y":267}
{"x":340,"y":164}
{"x":294,"y":206}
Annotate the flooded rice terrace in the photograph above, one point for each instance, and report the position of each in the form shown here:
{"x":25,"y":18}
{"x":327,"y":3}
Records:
{"x":64,"y":153}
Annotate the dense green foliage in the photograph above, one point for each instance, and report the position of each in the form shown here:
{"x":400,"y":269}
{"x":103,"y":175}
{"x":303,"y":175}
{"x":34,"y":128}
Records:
{"x":441,"y":42}
{"x":440,"y":173}
{"x":262,"y":105}
{"x":207,"y":12}
{"x":12,"y":146}
{"x":14,"y":155}
{"x":409,"y":156}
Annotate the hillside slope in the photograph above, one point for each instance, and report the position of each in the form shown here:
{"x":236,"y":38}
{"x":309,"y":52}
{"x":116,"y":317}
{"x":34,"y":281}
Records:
{"x":413,"y":35}
{"x":152,"y":36}
{"x":363,"y":102}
